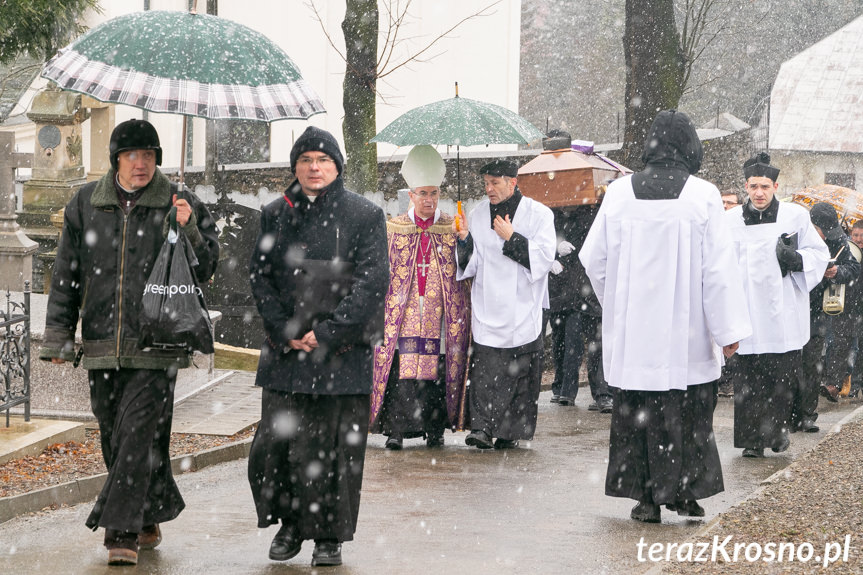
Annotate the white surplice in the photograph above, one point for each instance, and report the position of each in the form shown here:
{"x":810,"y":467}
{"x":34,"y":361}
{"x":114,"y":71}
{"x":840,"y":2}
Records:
{"x":671,"y":293}
{"x":778,"y":306}
{"x":507,"y":298}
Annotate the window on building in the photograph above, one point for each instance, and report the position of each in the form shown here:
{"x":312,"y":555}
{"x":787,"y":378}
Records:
{"x":839,"y":179}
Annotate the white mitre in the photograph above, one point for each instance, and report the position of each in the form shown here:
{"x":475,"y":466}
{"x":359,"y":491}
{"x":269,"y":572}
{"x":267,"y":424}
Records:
{"x":423,"y":167}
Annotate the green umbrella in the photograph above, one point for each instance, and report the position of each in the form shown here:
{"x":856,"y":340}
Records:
{"x":458,"y":122}
{"x":185,"y":63}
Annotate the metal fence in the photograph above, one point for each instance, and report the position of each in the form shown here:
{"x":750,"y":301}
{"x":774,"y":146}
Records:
{"x":15,"y":354}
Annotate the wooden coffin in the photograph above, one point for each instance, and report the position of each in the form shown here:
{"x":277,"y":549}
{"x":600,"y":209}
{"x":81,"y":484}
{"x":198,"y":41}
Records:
{"x":567,"y":178}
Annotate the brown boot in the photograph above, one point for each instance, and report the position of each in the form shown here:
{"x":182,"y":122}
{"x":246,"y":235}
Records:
{"x":149,"y":537}
{"x":122,"y":547}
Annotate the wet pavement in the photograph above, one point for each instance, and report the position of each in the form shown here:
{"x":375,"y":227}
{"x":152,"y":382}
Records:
{"x":539,"y":508}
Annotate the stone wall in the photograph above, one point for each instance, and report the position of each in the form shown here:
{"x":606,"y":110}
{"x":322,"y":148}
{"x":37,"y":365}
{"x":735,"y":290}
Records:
{"x":240,"y":190}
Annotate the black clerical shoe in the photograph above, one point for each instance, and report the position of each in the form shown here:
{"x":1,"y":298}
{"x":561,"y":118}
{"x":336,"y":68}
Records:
{"x":606,"y":405}
{"x":689,"y":508}
{"x":434,"y":440}
{"x":753,"y":452}
{"x":286,"y":543}
{"x":782,"y":445}
{"x":646,"y":513}
{"x":594,"y":406}
{"x":555,"y":398}
{"x":808,"y":426}
{"x":479,"y":438}
{"x":327,"y":553}
{"x":566,"y":400}
{"x":505,"y":443}
{"x":394,"y":442}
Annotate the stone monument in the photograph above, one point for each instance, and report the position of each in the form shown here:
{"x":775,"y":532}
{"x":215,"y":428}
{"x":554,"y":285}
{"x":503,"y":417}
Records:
{"x":16,"y":249}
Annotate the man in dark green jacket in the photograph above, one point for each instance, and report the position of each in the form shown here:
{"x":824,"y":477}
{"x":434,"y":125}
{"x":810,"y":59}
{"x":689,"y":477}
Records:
{"x":113,"y":230}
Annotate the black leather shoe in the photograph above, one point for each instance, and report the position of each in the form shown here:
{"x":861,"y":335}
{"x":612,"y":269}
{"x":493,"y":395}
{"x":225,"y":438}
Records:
{"x":689,"y":508}
{"x":808,"y":426}
{"x":327,"y":553}
{"x":594,"y":406}
{"x":782,"y":445}
{"x":646,"y":513}
{"x":479,"y":438}
{"x":554,"y":398}
{"x":434,"y":440}
{"x":606,"y":405}
{"x":753,"y":452}
{"x":505,"y":443}
{"x":565,"y":400}
{"x":394,"y":442}
{"x":286,"y":543}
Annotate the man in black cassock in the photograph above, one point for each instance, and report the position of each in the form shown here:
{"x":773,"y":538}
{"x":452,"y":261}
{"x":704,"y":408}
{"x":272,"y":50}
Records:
{"x":112,"y":235}
{"x":660,"y":261}
{"x":506,"y":245}
{"x":319,"y":274}
{"x":782,"y":258}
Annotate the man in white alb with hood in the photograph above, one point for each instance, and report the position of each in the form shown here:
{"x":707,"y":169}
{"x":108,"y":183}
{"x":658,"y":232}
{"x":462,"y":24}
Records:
{"x":661,"y":262}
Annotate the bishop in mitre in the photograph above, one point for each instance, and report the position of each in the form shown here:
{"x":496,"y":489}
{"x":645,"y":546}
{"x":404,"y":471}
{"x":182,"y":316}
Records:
{"x":419,"y":371}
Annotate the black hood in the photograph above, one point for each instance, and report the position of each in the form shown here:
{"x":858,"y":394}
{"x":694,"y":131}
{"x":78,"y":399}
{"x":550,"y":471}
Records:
{"x":672,"y":142}
{"x":823,"y":215}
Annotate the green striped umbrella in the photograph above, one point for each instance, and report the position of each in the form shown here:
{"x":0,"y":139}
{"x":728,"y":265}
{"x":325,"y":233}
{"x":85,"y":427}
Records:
{"x":185,"y":63}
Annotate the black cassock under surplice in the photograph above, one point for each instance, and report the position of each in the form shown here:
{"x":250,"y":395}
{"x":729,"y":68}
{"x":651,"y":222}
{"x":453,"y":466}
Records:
{"x":503,"y":390}
{"x":662,"y":449}
{"x":764,"y":387}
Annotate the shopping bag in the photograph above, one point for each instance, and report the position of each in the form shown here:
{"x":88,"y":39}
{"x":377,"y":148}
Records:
{"x":173,"y":311}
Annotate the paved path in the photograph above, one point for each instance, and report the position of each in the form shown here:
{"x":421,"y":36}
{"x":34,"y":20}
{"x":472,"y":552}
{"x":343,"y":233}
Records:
{"x":230,"y":404}
{"x":537,"y":509}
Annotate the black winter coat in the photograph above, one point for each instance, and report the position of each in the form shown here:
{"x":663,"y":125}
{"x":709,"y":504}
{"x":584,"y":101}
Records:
{"x":571,"y":288}
{"x":847,"y":269}
{"x":103,"y":261}
{"x":340,"y":228}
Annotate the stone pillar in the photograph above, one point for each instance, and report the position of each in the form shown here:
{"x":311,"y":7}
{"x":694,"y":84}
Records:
{"x":58,"y":170}
{"x":101,"y":126}
{"x":16,"y":249}
{"x":58,"y":165}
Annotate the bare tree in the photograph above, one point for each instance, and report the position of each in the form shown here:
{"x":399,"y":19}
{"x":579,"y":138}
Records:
{"x":660,"y":58}
{"x":370,"y":55}
{"x":654,"y":70}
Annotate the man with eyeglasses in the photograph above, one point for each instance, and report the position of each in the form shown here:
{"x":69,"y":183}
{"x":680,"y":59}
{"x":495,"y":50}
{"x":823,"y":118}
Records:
{"x":419,"y":373}
{"x":319,"y":274}
{"x":730,"y":200}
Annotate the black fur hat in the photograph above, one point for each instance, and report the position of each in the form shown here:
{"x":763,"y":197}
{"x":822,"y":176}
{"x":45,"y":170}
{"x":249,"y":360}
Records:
{"x":134,"y":135}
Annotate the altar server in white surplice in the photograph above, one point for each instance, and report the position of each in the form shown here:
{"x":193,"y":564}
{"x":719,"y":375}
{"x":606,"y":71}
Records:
{"x":507,"y":245}
{"x":782,"y":259}
{"x":661,"y":262}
